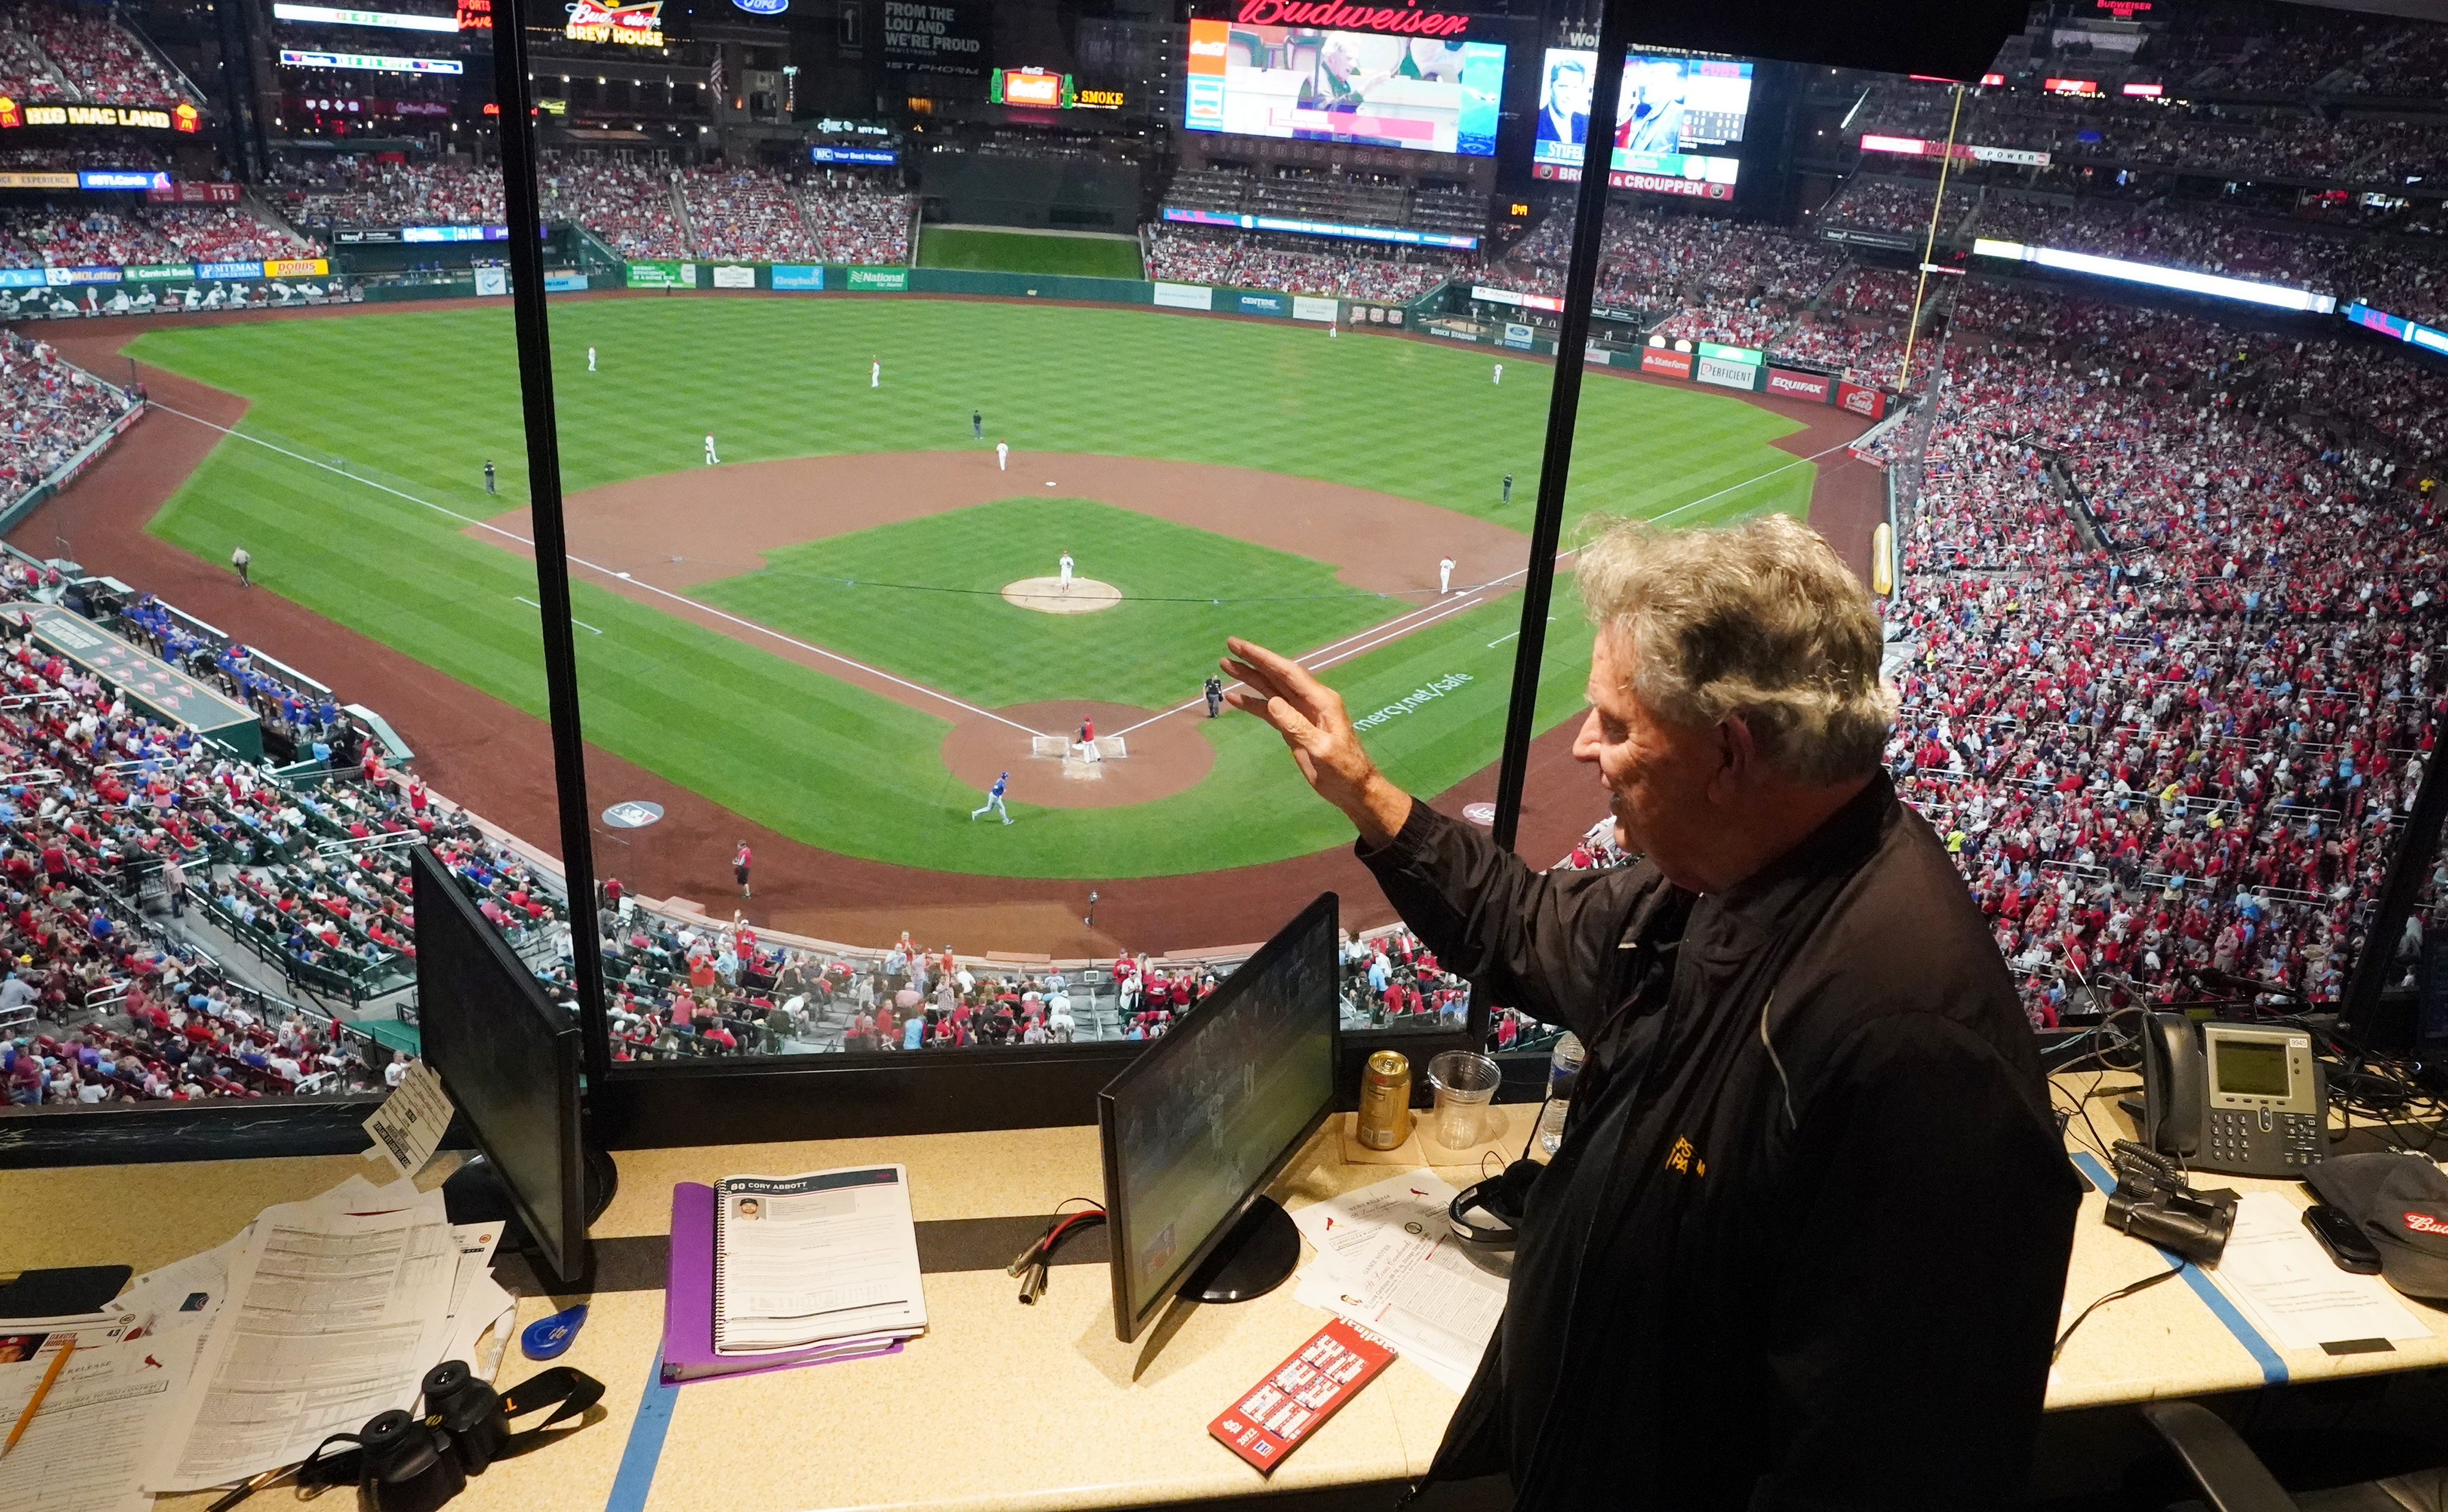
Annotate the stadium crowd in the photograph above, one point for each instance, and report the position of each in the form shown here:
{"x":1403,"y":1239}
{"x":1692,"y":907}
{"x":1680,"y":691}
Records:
{"x":1299,"y":265}
{"x":49,"y":412}
{"x":2166,"y":644}
{"x":88,"y":237}
{"x":99,"y":62}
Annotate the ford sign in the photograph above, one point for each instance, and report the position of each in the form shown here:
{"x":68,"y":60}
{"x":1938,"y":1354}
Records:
{"x":763,"y":7}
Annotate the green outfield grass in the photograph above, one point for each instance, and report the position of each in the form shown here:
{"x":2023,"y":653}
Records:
{"x":1184,"y":591}
{"x":1028,"y":252}
{"x":413,"y":404}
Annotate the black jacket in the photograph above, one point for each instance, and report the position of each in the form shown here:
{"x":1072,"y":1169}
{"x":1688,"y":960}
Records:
{"x":1804,"y":1243}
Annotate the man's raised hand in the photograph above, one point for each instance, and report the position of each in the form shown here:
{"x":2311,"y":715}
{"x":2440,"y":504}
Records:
{"x":1310,"y":718}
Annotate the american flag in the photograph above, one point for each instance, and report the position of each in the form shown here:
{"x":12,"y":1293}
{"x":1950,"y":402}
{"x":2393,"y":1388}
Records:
{"x":714,"y":75}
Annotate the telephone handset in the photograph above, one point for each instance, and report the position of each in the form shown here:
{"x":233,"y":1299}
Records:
{"x":2246,"y":1100}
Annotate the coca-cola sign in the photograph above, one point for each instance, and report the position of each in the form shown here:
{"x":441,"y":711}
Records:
{"x":1407,"y":20}
{"x":1869,"y":403}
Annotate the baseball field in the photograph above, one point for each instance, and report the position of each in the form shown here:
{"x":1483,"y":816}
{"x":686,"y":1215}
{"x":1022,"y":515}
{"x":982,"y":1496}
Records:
{"x":814,"y":633}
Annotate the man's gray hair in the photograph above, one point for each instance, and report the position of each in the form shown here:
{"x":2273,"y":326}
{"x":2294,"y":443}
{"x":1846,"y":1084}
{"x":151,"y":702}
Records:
{"x":1758,"y":618}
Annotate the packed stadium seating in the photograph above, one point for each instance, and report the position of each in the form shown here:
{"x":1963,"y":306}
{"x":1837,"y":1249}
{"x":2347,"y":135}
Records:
{"x":342,"y":189}
{"x":2165,"y":643}
{"x":24,"y":72}
{"x":1300,"y":264}
{"x":49,"y":412}
{"x":627,"y":203}
{"x":1314,"y":194}
{"x":745,"y":214}
{"x":97,"y":59}
{"x":854,"y":222}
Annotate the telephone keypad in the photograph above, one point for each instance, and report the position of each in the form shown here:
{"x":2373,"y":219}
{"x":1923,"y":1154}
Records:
{"x":2260,"y":1141}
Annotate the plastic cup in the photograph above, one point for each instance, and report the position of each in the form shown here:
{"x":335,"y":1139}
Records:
{"x":1465,"y":1084}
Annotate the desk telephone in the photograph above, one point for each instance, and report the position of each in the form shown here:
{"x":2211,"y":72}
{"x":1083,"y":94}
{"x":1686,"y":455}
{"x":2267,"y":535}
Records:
{"x":2242,"y":1099}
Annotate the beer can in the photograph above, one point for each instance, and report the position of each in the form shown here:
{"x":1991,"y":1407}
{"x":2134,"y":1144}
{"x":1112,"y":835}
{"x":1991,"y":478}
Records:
{"x":1385,"y":1101}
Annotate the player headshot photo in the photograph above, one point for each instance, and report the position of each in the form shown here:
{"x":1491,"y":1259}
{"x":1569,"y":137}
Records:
{"x":748,"y":1208}
{"x":1564,"y":102}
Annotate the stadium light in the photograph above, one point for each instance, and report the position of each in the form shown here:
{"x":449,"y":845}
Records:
{"x":2277,"y":296}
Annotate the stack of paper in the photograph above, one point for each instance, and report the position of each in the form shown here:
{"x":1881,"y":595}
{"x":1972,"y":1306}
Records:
{"x":317,"y":1316}
{"x":311,"y":1320}
{"x":87,"y":1445}
{"x":1388,"y":1259}
{"x":688,"y":1307}
{"x":2294,"y":1293}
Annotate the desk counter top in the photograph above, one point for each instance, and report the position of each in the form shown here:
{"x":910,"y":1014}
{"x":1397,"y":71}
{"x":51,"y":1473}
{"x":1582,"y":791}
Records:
{"x":1005,"y":1407}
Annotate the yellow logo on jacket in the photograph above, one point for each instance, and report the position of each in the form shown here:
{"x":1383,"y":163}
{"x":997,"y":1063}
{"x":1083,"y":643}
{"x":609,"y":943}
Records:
{"x":1685,"y":1160}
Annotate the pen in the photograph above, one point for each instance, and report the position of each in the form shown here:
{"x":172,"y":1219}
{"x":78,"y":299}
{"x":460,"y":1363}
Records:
{"x":34,"y":1402}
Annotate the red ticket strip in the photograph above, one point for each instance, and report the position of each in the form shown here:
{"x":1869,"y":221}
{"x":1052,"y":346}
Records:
{"x":1275,"y":1415}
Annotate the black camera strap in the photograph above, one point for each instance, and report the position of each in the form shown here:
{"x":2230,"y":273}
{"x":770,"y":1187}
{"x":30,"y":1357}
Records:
{"x":567,"y":1391}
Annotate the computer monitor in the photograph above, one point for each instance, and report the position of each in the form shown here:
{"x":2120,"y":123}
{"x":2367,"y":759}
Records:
{"x":1207,"y":1117}
{"x":509,"y":1058}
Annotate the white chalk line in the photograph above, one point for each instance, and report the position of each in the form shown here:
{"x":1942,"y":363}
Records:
{"x":1317,"y":658}
{"x":617,"y":576}
{"x":538,"y":608}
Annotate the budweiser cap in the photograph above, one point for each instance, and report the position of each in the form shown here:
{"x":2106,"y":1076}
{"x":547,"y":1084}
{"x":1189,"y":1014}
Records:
{"x":2401,"y":1202}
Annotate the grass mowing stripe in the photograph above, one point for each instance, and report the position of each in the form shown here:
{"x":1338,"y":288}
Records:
{"x":421,"y":399}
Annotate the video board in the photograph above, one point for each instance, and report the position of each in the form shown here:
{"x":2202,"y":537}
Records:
{"x":1670,"y":111}
{"x":1429,"y":94}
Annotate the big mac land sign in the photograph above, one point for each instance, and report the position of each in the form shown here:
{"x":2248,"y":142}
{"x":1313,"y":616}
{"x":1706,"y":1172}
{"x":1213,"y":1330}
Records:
{"x":1334,"y":15}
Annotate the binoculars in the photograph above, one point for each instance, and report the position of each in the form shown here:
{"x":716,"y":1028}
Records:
{"x":416,"y":1463}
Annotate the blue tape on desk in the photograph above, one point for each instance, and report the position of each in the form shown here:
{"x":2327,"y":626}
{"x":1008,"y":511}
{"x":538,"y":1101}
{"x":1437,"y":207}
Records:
{"x":645,"y":1448}
{"x":2273,"y":1370}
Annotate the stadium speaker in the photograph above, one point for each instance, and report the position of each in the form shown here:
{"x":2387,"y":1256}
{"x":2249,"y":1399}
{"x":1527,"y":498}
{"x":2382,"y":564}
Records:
{"x":1951,"y":39}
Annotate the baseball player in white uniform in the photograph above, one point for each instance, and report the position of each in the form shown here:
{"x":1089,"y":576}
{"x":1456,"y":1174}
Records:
{"x":1003,"y":456}
{"x":1067,"y":572}
{"x":875,"y":374}
{"x":590,"y":359}
{"x":1499,"y":374}
{"x":710,"y":458}
{"x":1445,"y":575}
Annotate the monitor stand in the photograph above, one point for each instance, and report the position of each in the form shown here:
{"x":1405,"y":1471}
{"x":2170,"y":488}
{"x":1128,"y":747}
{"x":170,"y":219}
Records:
{"x":475,"y":1194}
{"x":1255,"y":1257}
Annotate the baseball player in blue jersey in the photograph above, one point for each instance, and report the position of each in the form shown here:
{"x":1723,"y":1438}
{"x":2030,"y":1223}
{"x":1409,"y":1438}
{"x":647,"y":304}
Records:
{"x":994,"y":800}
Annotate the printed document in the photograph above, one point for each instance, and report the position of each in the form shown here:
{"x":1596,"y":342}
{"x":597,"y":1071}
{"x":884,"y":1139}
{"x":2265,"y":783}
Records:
{"x":86,"y":1448}
{"x":798,"y":1260}
{"x":2276,"y":1272}
{"x":1389,"y":1261}
{"x":331,"y":1318}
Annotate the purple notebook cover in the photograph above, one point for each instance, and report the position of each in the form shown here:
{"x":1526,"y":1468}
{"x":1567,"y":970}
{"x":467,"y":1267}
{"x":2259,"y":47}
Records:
{"x":688,"y":1305}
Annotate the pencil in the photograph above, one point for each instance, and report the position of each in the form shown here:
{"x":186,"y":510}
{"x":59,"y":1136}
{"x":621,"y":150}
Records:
{"x":34,"y":1402}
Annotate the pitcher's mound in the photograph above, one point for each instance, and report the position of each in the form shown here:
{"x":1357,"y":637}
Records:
{"x":1048,"y":596}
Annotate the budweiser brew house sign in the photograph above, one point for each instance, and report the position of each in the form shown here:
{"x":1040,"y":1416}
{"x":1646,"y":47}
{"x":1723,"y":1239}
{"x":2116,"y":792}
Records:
{"x":1334,"y":15}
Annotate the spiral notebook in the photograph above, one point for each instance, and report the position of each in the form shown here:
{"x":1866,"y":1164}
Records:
{"x":688,"y":1307}
{"x":832,"y":1255}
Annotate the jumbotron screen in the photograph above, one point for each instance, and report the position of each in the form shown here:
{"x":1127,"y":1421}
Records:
{"x":1430,"y":94}
{"x":1669,"y":107}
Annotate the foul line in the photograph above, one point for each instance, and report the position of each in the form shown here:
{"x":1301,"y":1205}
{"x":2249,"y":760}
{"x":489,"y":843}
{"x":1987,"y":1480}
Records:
{"x":1748,"y":482}
{"x":620,"y":577}
{"x":538,"y":608}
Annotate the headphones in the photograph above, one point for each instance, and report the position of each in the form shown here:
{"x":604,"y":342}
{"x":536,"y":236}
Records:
{"x":1501,"y":1198}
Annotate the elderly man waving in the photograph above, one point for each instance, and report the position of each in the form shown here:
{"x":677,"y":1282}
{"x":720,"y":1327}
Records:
{"x":1804,"y":1242}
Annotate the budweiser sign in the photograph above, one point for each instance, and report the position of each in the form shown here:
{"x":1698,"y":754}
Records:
{"x":1333,"y":14}
{"x":2425,"y":1223}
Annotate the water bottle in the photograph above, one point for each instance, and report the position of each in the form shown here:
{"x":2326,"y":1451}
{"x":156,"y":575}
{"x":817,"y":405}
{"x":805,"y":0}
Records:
{"x":1563,"y":1069}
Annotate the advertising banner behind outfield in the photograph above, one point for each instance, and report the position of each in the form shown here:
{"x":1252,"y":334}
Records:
{"x":662,"y":275}
{"x":788,"y":276}
{"x":1671,"y":364}
{"x":1725,"y":373}
{"x":1786,"y":383}
{"x":735,"y":275}
{"x":1259,"y":304}
{"x":1307,"y":308}
{"x":1869,"y":403}
{"x":491,"y":281}
{"x":1185,"y":296}
{"x":878,"y":280}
